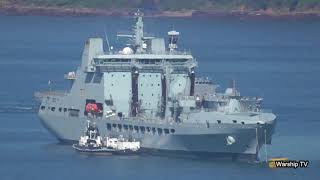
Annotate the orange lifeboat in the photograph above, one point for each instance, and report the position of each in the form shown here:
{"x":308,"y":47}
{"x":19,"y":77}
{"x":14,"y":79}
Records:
{"x":92,"y":107}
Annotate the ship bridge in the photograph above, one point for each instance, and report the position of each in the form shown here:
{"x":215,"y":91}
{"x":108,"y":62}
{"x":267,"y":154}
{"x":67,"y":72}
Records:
{"x":144,"y":60}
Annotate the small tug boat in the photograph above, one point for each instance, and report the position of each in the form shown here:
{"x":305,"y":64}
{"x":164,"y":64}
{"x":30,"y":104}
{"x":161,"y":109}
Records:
{"x":92,"y":142}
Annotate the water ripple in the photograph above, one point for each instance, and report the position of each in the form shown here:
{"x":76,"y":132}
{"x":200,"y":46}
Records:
{"x":31,"y":108}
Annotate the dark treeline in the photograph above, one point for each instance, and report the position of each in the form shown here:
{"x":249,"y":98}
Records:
{"x":174,"y":5}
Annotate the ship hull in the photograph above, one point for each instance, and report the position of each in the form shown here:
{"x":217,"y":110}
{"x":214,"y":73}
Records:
{"x":187,"y":139}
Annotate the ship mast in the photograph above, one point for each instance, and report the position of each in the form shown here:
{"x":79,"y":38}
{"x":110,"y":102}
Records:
{"x":138,"y":36}
{"x":138,"y":32}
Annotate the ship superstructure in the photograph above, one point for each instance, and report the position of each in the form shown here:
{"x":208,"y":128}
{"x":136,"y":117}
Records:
{"x":149,"y":91}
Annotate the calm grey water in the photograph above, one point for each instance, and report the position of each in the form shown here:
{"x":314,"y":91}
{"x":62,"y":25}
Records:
{"x":278,"y":59}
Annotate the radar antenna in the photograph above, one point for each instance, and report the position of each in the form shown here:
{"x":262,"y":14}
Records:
{"x":106,"y":38}
{"x":173,"y":40}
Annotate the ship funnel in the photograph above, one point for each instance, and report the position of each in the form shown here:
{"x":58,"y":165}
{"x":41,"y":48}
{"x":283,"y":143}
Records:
{"x":173,"y":40}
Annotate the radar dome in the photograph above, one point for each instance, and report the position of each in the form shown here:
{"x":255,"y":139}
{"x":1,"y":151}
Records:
{"x":127,"y":50}
{"x":229,"y":91}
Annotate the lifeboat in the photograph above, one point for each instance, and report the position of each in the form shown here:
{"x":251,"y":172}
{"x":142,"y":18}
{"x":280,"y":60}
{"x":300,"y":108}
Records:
{"x":92,"y":107}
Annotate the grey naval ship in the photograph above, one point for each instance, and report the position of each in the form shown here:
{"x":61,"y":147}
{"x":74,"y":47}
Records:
{"x":149,"y":91}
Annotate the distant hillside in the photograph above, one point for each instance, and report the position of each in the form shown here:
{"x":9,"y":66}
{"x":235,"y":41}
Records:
{"x":269,"y":6}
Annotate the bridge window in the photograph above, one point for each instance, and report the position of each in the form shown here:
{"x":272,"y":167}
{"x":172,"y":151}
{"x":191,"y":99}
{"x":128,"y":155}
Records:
{"x":119,"y":127}
{"x":114,"y":125}
{"x":53,"y":109}
{"x":109,"y":126}
{"x":149,"y":61}
{"x":64,"y":109}
{"x":219,"y":121}
{"x":136,"y":129}
{"x":153,"y":130}
{"x":89,"y":77}
{"x":142,"y":129}
{"x":60,"y":109}
{"x":125,"y":60}
{"x":148,"y":129}
{"x":130,"y":128}
{"x":74,"y":112}
{"x":97,"y":77}
{"x":177,"y":60}
{"x":242,"y":122}
{"x":42,"y":107}
{"x":234,"y":121}
{"x":159,"y":131}
{"x":172,"y":131}
{"x":166,"y":131}
{"x":109,"y":102}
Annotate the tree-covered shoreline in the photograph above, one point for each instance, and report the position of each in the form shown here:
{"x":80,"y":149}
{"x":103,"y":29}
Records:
{"x":163,"y":7}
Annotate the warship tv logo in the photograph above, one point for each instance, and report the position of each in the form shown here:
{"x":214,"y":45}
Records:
{"x":285,"y":163}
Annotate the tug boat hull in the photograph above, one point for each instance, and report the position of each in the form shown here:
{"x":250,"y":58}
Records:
{"x":103,"y":150}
